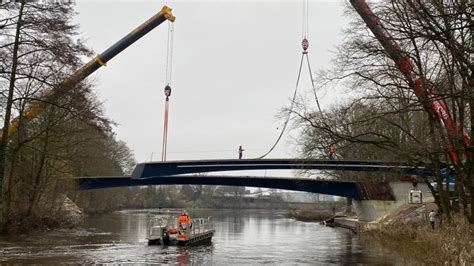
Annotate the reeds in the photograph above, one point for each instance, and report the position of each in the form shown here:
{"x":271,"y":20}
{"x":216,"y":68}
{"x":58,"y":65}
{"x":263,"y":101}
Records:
{"x":310,"y":216}
{"x":450,"y":243}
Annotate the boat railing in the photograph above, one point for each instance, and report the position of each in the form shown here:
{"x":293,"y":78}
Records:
{"x":199,"y":226}
{"x":154,"y":225}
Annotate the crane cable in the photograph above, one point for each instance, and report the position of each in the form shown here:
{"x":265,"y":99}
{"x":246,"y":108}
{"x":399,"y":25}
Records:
{"x":169,"y":68}
{"x":169,"y":53}
{"x":305,"y":45}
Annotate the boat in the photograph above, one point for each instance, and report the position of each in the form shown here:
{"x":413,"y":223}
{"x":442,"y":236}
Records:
{"x":163,"y":230}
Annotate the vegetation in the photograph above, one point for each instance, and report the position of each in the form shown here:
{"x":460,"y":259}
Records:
{"x":382,"y":118}
{"x":452,"y":243}
{"x":171,"y":196}
{"x":70,"y":137}
{"x":310,"y":216}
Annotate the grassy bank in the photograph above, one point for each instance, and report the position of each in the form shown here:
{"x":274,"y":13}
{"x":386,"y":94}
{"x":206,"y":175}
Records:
{"x":452,"y":243}
{"x":310,"y":216}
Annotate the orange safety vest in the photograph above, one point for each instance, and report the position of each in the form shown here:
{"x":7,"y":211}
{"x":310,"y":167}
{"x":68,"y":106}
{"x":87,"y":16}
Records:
{"x":184,"y":218}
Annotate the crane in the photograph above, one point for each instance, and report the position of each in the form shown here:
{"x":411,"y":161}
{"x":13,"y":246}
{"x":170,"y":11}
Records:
{"x":423,"y":89}
{"x":90,"y":67}
{"x":433,"y":103}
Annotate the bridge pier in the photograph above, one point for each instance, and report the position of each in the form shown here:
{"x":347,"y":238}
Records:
{"x":371,"y":210}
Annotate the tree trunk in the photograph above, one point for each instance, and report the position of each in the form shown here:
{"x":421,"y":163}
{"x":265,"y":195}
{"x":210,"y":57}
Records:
{"x":470,"y":173}
{"x":36,"y":185}
{"x":442,"y":197}
{"x":8,"y":111}
{"x":8,"y":190}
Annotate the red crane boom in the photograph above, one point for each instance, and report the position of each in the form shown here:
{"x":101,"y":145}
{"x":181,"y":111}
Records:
{"x":423,"y":89}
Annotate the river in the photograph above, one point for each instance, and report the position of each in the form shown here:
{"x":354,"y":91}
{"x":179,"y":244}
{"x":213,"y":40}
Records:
{"x":243,"y":237}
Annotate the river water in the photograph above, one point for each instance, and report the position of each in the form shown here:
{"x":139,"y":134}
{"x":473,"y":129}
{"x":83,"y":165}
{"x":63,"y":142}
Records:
{"x":243,"y":237}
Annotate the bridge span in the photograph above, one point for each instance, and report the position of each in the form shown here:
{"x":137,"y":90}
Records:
{"x":154,"y":169}
{"x":355,"y":190}
{"x":178,"y":173}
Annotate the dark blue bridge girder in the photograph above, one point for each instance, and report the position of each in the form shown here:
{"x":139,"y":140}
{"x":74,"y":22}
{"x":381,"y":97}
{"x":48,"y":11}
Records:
{"x":329,"y":187}
{"x":171,"y":173}
{"x":154,"y":169}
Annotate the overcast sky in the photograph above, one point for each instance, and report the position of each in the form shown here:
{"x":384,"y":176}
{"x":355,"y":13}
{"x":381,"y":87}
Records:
{"x":234,"y":67}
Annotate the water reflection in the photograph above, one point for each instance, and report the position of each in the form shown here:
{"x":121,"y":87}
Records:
{"x":242,"y":237}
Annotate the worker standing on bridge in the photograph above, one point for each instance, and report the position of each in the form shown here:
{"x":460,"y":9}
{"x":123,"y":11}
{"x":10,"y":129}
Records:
{"x":240,"y":152}
{"x":331,"y":151}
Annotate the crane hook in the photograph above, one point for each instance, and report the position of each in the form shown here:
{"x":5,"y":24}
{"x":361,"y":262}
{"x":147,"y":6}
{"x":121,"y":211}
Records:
{"x":167,"y":91}
{"x":305,"y":45}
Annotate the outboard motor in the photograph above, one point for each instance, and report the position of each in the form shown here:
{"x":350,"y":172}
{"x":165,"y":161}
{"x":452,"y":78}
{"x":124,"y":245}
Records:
{"x":165,"y":237}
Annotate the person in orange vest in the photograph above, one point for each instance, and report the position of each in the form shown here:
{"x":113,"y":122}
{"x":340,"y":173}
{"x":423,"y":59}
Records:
{"x":332,"y":151}
{"x":184,"y":221}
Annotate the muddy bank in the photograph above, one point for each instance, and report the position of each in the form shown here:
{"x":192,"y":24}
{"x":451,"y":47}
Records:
{"x":310,"y":216}
{"x":406,"y":232}
{"x":66,"y":215}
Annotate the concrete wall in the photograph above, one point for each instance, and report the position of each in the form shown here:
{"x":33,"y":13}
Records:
{"x":370,"y":210}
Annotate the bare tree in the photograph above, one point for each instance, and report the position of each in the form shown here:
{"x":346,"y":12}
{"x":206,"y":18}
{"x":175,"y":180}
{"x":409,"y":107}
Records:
{"x":385,"y":119}
{"x":39,"y":47}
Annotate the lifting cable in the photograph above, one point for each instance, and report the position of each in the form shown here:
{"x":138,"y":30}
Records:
{"x":169,"y":68}
{"x":304,"y":45}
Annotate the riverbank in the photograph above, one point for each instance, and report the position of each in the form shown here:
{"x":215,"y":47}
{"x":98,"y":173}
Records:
{"x":66,"y":214}
{"x":407,"y":233}
{"x":310,"y":215}
{"x":451,"y":243}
